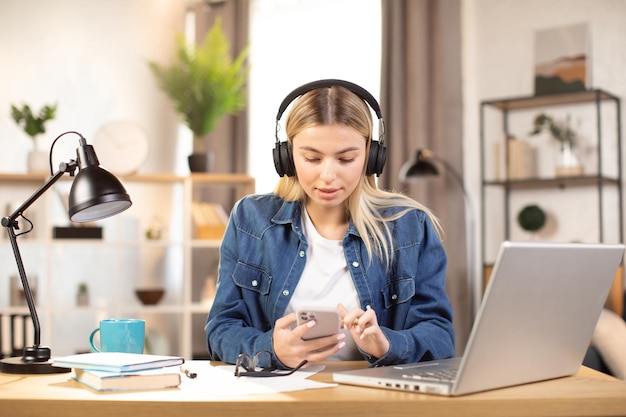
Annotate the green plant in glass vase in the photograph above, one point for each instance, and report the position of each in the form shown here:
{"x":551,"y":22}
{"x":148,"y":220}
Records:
{"x":205,"y":83}
{"x":568,"y":164}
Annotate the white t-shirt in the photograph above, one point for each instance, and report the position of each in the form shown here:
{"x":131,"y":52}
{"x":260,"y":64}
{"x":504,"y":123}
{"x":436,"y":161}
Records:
{"x":326,"y":282}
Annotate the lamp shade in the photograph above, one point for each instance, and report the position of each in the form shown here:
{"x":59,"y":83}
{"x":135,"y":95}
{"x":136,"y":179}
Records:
{"x":96,"y":193}
{"x":421,"y":166}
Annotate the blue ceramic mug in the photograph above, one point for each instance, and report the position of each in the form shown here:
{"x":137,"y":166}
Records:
{"x":120,"y":335}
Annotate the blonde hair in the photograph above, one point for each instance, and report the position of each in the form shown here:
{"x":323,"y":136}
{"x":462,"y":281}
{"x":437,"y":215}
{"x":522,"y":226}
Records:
{"x":368,"y":203}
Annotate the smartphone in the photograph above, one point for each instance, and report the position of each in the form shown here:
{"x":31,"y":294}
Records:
{"x":326,"y":318}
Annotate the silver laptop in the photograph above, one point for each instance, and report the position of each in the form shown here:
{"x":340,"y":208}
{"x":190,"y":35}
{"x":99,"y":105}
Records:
{"x":537,"y":317}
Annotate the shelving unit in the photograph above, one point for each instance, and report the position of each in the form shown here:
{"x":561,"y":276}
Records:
{"x":123,"y":260}
{"x":598,"y":191}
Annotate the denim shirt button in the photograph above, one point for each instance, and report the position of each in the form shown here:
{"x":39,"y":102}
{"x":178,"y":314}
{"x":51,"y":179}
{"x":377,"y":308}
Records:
{"x":255,"y":283}
{"x":285,"y":292}
{"x":301,"y":254}
{"x":394,"y":297}
{"x":355,"y":264}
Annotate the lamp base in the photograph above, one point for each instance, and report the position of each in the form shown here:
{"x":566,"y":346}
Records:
{"x":17,"y":365}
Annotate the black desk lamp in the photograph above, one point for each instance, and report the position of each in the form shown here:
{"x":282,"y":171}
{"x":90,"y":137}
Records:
{"x":95,"y":194}
{"x":424,"y":166}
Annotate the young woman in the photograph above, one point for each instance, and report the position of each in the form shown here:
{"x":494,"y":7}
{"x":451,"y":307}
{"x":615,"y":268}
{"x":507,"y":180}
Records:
{"x":327,"y":236}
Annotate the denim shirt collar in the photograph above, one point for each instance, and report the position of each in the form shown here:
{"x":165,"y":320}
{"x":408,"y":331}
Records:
{"x":291,"y":212}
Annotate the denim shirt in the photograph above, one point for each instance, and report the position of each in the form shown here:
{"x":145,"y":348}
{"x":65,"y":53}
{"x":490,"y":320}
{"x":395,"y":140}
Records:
{"x":262,"y":257}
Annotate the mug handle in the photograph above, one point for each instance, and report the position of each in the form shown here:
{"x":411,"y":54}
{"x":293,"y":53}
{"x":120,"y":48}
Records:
{"x":91,"y":335}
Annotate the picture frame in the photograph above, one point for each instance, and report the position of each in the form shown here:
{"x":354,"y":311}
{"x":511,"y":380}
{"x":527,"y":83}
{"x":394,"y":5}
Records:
{"x":562,"y":57}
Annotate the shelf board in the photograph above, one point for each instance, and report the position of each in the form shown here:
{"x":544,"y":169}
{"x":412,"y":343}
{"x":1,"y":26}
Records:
{"x":221,"y":178}
{"x":206,"y":243}
{"x":561,"y":182}
{"x":23,"y":178}
{"x":158,"y":178}
{"x":527,"y":102}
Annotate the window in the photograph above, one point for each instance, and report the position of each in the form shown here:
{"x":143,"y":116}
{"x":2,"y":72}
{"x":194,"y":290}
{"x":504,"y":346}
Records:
{"x":293,"y":42}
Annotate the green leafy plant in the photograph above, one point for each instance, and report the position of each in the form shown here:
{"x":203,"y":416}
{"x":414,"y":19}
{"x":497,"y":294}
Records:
{"x":33,"y":125}
{"x":83,"y":288}
{"x":559,"y":131}
{"x":204,"y":82}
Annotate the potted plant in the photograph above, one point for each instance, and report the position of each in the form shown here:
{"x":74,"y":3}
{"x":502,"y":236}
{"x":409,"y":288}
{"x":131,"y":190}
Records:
{"x":569,"y":163}
{"x":205,"y":84}
{"x":34,"y":125}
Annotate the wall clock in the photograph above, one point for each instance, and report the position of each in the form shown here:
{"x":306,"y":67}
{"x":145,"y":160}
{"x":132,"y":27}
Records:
{"x":122,"y":147}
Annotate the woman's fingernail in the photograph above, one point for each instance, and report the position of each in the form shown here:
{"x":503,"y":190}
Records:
{"x":341,"y":345}
{"x":341,"y":336}
{"x":310,"y":323}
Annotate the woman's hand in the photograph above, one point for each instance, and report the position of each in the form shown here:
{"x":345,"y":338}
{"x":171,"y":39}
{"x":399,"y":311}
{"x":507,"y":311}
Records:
{"x":290,"y":349}
{"x":364,"y":328}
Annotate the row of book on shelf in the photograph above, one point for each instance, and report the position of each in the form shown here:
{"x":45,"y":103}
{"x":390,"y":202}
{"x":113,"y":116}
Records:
{"x":209,"y":220}
{"x":117,"y":371}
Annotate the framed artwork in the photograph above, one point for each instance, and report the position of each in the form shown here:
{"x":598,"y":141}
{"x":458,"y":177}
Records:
{"x":562,"y":59}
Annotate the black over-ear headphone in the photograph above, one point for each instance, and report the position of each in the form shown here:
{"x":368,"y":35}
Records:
{"x":283,"y":157}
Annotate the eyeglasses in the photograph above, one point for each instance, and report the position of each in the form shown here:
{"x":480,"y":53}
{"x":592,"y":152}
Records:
{"x":252,"y":369}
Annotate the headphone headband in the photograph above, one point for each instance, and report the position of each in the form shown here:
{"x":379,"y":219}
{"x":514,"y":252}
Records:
{"x":356,"y":89}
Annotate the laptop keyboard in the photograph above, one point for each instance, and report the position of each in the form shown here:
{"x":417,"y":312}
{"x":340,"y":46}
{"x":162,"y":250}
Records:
{"x":444,"y":375}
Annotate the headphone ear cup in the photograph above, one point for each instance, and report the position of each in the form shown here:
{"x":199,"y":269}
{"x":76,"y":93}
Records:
{"x":283,"y":160}
{"x":376,"y":158}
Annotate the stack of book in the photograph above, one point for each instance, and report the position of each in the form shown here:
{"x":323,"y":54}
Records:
{"x":116,"y":371}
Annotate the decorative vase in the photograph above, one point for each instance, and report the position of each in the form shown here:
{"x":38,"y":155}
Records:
{"x":568,"y":164}
{"x":38,"y":162}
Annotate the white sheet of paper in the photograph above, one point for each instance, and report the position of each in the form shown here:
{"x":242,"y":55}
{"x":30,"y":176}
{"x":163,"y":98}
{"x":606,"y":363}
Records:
{"x":220,"y":381}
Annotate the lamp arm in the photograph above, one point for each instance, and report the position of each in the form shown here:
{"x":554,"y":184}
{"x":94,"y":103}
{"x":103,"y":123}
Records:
{"x":474,"y":288}
{"x":63,"y":168}
{"x":10,"y":223}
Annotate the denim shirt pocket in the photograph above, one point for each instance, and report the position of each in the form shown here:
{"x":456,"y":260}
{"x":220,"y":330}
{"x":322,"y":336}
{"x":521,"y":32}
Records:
{"x":398,"y":291}
{"x":251,"y":278}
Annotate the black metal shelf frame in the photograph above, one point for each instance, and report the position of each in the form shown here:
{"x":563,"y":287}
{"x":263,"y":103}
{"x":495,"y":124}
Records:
{"x":600,"y":181}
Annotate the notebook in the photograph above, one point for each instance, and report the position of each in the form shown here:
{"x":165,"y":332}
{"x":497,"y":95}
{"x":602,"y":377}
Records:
{"x":116,"y":361}
{"x":535,"y":322}
{"x":149,"y":379}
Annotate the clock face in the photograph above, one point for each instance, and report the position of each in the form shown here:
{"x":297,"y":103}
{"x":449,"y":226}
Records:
{"x":121,"y":147}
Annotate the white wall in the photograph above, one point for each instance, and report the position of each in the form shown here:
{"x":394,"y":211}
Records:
{"x":90,"y":57}
{"x":498,"y":49}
